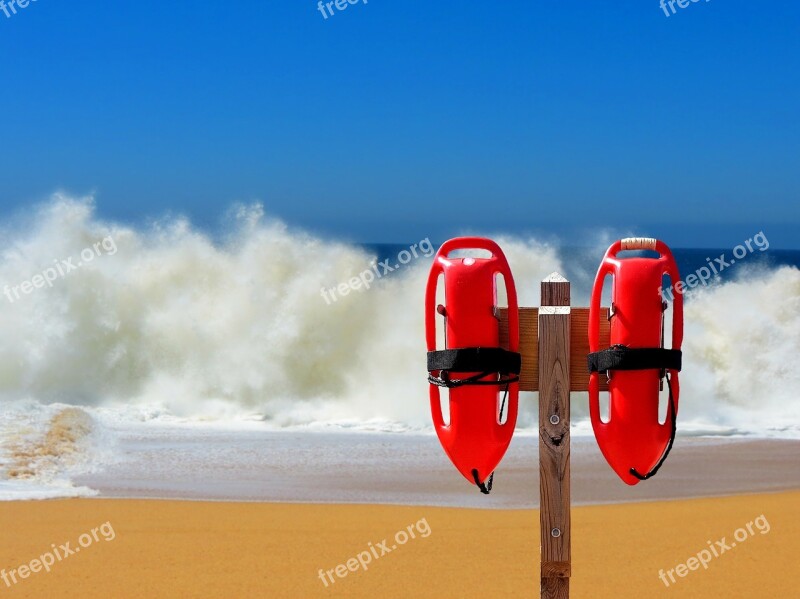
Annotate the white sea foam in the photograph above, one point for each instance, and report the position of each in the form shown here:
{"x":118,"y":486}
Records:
{"x":177,"y":327}
{"x":42,"y":447}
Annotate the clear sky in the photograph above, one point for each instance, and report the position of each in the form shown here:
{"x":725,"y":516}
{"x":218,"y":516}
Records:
{"x":394,"y":120}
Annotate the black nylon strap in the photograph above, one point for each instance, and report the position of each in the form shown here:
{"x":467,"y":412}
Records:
{"x":475,"y":359}
{"x":619,"y":357}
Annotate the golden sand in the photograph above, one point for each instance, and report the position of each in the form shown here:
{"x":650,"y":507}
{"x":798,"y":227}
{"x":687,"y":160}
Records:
{"x":177,"y":549}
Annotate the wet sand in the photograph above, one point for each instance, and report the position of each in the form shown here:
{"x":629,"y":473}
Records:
{"x":407,"y":469}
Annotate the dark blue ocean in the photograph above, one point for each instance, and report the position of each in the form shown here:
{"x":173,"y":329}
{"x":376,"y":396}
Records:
{"x":580,"y":263}
{"x":688,"y":259}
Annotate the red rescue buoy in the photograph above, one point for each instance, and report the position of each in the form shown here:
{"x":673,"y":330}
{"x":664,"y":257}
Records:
{"x":481,"y":376}
{"x":633,"y":441}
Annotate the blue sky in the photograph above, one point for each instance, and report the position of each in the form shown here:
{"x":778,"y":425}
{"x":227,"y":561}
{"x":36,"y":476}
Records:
{"x":393,"y":121}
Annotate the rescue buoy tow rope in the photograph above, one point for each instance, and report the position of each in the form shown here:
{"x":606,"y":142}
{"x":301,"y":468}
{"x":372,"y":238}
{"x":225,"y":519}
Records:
{"x":672,"y":414}
{"x":621,"y":357}
{"x":485,"y":488}
{"x":486,"y":361}
{"x":444,"y":380}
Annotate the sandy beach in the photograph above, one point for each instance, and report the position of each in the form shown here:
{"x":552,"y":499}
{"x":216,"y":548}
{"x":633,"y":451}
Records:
{"x":204,"y":549}
{"x":223,"y":511}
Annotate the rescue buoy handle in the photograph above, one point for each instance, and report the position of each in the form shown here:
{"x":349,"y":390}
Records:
{"x":469,"y":243}
{"x":502,"y":267}
{"x":677,"y":303}
{"x":638,"y":243}
{"x":430,"y":315}
{"x":607,"y":267}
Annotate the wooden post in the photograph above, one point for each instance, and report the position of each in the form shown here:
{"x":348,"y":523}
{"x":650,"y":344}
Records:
{"x":554,"y":345}
{"x":554,"y":419}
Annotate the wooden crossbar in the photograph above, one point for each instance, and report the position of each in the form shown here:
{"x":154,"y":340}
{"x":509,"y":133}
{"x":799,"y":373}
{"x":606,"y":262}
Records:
{"x":578,"y":346}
